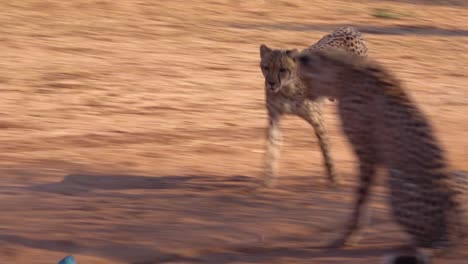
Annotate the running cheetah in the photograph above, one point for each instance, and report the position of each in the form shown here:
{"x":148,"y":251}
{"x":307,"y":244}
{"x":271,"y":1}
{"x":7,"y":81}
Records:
{"x":278,"y":68}
{"x":385,"y":127}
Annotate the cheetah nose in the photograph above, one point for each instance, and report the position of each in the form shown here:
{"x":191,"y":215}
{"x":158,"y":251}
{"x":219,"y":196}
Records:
{"x":271,"y":84}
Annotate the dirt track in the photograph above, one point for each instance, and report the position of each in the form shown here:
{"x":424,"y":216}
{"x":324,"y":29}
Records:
{"x":131,"y":131}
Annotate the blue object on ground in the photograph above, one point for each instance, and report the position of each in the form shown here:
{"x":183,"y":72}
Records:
{"x":67,"y":260}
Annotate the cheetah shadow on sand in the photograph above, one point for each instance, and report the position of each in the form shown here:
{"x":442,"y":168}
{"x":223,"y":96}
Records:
{"x":77,"y":184}
{"x":225,"y":194}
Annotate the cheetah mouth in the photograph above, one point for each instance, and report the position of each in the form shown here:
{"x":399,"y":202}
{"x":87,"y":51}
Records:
{"x":274,"y":90}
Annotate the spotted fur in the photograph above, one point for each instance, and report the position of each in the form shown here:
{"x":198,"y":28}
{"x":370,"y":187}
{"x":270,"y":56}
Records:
{"x":286,"y":95}
{"x":386,"y":128}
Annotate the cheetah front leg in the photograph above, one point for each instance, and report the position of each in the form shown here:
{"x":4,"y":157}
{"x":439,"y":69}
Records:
{"x":314,"y":118}
{"x":367,"y":171}
{"x":272,"y":151}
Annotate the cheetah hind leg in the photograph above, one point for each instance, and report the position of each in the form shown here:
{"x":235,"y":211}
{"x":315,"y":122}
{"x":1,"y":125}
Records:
{"x":445,"y":247}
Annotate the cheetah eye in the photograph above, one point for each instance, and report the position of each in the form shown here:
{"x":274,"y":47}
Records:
{"x":282,"y":70}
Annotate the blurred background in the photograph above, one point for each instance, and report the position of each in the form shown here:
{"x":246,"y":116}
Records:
{"x":131,"y":130}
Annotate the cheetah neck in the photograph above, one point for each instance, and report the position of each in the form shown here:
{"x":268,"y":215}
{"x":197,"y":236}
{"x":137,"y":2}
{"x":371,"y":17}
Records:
{"x":292,"y":88}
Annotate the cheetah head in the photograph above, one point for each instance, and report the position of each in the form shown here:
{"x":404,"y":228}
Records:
{"x":318,"y":73}
{"x":278,"y":67}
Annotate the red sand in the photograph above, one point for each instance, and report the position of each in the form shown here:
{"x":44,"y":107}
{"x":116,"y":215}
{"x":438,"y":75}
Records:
{"x":133,"y":131}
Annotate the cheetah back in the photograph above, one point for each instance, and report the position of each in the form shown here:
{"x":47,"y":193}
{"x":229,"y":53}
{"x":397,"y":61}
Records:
{"x":346,"y":38}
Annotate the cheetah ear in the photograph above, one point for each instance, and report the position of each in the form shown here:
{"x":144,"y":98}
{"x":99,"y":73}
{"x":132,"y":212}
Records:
{"x":292,"y":53}
{"x":264,"y":50}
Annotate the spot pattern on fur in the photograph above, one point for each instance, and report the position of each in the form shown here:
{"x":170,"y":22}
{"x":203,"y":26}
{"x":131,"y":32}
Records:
{"x":386,"y":128}
{"x":286,"y":95}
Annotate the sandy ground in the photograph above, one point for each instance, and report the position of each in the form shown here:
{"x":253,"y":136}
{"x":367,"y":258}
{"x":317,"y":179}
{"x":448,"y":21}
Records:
{"x":132,"y":131}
